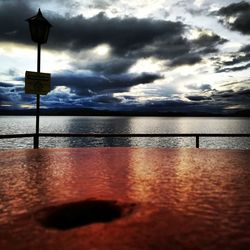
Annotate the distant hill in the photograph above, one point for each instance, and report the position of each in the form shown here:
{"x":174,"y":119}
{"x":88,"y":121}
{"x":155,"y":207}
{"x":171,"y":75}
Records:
{"x":94,"y":112}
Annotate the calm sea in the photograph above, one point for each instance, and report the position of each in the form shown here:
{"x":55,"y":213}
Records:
{"x":73,"y":124}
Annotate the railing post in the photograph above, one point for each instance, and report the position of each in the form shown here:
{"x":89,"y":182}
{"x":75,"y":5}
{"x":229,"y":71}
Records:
{"x":197,"y":141}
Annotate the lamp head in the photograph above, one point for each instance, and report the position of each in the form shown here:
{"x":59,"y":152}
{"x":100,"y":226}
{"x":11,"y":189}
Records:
{"x":39,"y":28}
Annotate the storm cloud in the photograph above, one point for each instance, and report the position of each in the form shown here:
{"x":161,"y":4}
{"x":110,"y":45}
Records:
{"x":240,"y":12}
{"x":77,"y":32}
{"x":126,"y":60}
{"x":130,"y":36}
{"x":226,"y":98}
{"x":114,"y":65}
{"x":84,"y":84}
{"x":238,"y":61}
{"x":198,"y":98}
{"x":14,"y":94}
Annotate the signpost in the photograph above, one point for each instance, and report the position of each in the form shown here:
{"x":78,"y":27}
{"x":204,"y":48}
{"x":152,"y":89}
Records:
{"x":37,"y":83}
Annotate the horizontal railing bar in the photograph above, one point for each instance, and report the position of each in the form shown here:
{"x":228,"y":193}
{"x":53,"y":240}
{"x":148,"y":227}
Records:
{"x":16,"y":136}
{"x":121,"y":135}
{"x":140,"y":135}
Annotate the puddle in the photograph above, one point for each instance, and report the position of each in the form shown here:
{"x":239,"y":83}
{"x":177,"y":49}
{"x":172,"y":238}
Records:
{"x":77,"y":214}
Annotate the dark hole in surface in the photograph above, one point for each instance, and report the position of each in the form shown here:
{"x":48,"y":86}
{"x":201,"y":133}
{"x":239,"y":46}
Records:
{"x":82,"y":213}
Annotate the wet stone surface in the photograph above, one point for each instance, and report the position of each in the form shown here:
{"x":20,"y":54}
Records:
{"x":124,"y":198}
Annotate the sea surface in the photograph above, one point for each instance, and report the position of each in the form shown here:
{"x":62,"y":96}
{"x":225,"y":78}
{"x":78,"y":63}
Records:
{"x":111,"y":124}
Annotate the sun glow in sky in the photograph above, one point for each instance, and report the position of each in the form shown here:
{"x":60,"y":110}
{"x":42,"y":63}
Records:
{"x":162,"y":55}
{"x":102,"y":50}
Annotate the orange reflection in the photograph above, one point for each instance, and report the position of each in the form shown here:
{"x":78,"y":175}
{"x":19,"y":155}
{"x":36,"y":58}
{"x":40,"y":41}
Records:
{"x":203,"y":185}
{"x":186,"y":181}
{"x":143,"y":175}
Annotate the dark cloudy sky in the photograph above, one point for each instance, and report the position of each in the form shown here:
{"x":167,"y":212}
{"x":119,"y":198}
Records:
{"x":150,"y":55}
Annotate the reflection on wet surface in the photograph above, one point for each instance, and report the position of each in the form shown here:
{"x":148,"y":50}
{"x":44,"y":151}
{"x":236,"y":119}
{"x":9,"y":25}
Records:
{"x":187,"y":198}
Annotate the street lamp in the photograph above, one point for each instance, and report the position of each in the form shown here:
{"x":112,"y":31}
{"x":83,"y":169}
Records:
{"x":39,"y":30}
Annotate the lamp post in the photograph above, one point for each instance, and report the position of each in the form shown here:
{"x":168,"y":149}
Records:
{"x":39,"y":30}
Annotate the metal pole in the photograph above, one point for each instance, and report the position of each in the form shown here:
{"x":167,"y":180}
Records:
{"x":197,"y":141}
{"x":36,"y":138}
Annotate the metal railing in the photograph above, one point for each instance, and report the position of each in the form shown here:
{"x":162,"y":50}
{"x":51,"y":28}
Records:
{"x":84,"y":135}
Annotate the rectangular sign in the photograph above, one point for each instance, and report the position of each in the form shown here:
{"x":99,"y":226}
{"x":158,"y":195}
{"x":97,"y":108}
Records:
{"x":37,"y":83}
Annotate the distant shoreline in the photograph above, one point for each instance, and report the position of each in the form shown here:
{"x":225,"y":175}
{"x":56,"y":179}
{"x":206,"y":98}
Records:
{"x":93,"y":112}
